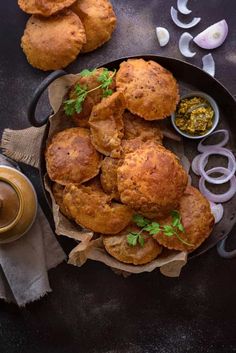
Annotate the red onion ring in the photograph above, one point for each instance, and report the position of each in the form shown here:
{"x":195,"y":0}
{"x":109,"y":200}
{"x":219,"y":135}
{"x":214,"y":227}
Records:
{"x":222,"y":152}
{"x":195,"y":164}
{"x":202,"y":148}
{"x":217,"y":210}
{"x":218,"y":197}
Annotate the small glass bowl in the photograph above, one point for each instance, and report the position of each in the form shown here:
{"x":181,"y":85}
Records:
{"x":215,"y":118}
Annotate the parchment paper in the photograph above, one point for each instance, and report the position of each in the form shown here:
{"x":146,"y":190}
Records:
{"x":169,"y":262}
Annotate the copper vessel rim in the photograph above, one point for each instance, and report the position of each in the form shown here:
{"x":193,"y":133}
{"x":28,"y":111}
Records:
{"x":20,"y":212}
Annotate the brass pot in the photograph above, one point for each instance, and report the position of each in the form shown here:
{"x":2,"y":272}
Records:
{"x":18,"y":204}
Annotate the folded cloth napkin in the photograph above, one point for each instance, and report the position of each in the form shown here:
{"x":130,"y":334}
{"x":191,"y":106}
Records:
{"x":24,"y":263}
{"x":23,"y":145}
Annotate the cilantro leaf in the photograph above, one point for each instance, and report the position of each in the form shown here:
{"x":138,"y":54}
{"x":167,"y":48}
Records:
{"x":168,"y":234}
{"x":168,"y":228}
{"x":106,"y":80}
{"x":175,"y":218}
{"x":141,"y":240}
{"x":86,"y":72}
{"x":107,"y":92}
{"x":80,"y":93}
{"x":153,"y":228}
{"x":80,"y":90}
{"x":140,"y":220}
{"x":181,"y":227}
{"x":132,"y":238}
{"x":104,"y":75}
{"x":69,"y":107}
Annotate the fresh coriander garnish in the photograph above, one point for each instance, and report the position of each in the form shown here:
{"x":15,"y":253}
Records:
{"x":134,"y":238}
{"x":86,"y":72}
{"x":153,"y":228}
{"x":75,"y":105}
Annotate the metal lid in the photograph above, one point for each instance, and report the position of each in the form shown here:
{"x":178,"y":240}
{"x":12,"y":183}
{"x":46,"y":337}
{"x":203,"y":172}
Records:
{"x":10,"y":205}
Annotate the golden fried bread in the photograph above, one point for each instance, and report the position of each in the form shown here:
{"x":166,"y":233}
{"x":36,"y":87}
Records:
{"x":106,"y":125}
{"x":132,"y":145}
{"x":151,"y":180}
{"x":92,"y":98}
{"x":196,"y":218}
{"x":99,"y":21}
{"x":44,"y":7}
{"x":57,"y":191}
{"x":108,"y":176}
{"x":150,"y":90}
{"x":136,"y":127}
{"x":117,"y":246}
{"x":71,"y":157}
{"x":93,"y":209}
{"x":54,"y":42}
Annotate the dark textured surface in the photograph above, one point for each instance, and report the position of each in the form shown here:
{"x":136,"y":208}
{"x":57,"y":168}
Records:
{"x":90,"y":308}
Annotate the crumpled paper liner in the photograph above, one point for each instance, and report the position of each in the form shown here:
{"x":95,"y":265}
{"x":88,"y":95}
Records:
{"x":169,"y":262}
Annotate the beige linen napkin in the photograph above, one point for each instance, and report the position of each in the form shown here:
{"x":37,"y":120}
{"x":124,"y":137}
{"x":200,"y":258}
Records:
{"x":24,"y":263}
{"x":23,"y":145}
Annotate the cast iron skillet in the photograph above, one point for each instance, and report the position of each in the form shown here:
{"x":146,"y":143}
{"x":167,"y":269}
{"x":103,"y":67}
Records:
{"x":189,"y":78}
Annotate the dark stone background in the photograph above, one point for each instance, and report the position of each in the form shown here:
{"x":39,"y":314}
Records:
{"x":91,"y":310}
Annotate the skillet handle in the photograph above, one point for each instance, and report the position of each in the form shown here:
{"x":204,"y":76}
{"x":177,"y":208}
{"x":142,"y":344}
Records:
{"x":223,"y":252}
{"x":37,"y":94}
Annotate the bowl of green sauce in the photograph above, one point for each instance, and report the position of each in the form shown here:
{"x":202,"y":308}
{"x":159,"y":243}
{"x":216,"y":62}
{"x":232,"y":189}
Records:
{"x":196,"y":115}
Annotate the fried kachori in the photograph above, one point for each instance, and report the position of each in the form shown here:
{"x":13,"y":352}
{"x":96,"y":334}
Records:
{"x":136,"y":127}
{"x":92,"y":208}
{"x":151,"y":180}
{"x":108,"y":177}
{"x":90,"y":82}
{"x":132,"y":145}
{"x":57,"y":191}
{"x":196,"y":218}
{"x":43,"y":7}
{"x":150,"y":90}
{"x":71,"y":157}
{"x":54,"y":42}
{"x":106,"y":125}
{"x":99,"y":21}
{"x":118,"y":247}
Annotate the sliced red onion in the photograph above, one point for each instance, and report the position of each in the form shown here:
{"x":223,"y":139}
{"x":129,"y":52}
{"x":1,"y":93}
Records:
{"x":218,"y":197}
{"x":163,"y":36}
{"x":174,"y":16}
{"x":213,"y":36}
{"x":182,"y":7}
{"x":184,"y":41}
{"x":195,"y":164}
{"x":208,"y":64}
{"x":202,"y":148}
{"x":217,"y":210}
{"x":221,"y":152}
